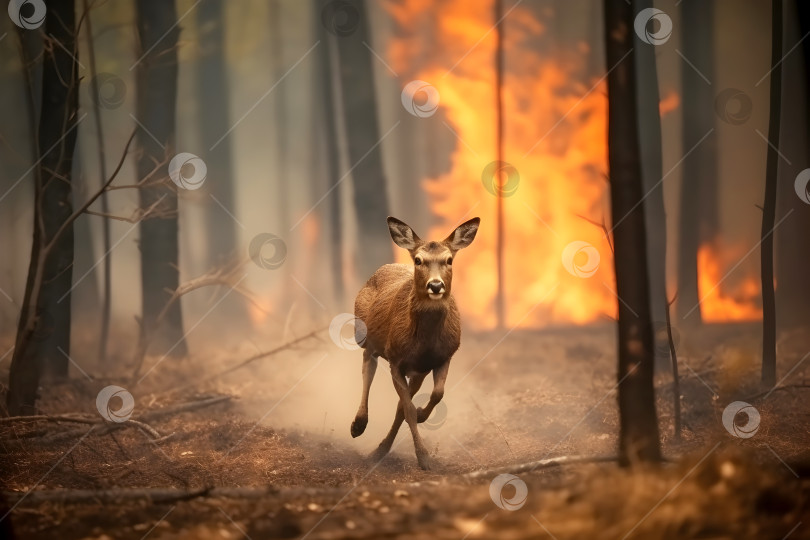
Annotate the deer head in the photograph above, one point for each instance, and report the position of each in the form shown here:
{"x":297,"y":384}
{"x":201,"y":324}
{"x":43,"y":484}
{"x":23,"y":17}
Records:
{"x":433,"y":261}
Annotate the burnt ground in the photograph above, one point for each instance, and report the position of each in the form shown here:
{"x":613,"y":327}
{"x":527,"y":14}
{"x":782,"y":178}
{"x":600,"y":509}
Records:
{"x":276,"y":459}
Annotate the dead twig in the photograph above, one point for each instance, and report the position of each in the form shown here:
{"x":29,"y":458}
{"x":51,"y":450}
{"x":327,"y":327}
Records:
{"x":541,"y":464}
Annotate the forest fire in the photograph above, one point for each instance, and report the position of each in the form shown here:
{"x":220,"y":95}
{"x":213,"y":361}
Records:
{"x":554,"y":136}
{"x":725,"y":300}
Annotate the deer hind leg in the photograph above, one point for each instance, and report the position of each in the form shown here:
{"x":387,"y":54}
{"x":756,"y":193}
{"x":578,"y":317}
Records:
{"x":369,"y":369}
{"x":412,"y":388}
{"x":439,"y":377}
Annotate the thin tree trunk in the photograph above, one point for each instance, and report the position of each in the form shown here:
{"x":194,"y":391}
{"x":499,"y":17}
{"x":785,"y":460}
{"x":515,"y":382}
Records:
{"x":329,"y":83}
{"x":364,"y":140}
{"x":43,"y":333}
{"x":500,"y":304}
{"x":649,"y":125}
{"x":105,"y":205}
{"x":638,"y":437}
{"x":698,"y":208}
{"x":157,"y":92}
{"x":769,"y":208}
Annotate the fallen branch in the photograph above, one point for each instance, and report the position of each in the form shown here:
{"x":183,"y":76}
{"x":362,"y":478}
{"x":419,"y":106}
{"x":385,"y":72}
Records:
{"x":85,"y":420}
{"x":541,"y":464}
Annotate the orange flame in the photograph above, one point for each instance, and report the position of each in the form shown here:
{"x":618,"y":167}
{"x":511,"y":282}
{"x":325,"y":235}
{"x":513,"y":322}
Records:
{"x":714,"y":283}
{"x":554,"y":135}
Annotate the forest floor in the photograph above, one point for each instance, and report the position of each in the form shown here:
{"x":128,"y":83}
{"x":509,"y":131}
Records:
{"x":276,"y":459}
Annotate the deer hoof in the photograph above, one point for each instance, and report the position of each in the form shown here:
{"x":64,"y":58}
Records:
{"x":359,"y":425}
{"x":424,"y":461}
{"x":421,"y":415}
{"x":379,"y":453}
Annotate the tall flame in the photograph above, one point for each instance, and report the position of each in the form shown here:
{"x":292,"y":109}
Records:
{"x":554,"y":135}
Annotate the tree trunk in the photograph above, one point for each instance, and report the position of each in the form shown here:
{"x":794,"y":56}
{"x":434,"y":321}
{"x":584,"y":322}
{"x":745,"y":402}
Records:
{"x":328,"y":82}
{"x":43,"y":333}
{"x":649,"y":126}
{"x":156,"y":82}
{"x":364,"y":151}
{"x":769,"y":207}
{"x":698,"y":208}
{"x":638,"y":437}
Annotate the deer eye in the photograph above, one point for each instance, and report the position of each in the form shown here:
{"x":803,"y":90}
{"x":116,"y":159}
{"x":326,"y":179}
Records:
{"x":450,"y":260}
{"x":417,"y":261}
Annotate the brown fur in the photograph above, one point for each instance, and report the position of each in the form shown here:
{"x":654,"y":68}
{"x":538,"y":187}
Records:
{"x":412,"y":321}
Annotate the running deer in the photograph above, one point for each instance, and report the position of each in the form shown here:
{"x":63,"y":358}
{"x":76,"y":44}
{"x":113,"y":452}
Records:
{"x":412,"y":321}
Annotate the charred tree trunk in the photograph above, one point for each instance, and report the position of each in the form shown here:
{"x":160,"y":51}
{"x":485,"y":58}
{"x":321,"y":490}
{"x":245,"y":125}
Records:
{"x":156,"y":81}
{"x":364,"y":141}
{"x":793,"y":242}
{"x":329,"y":83}
{"x":698,"y":209}
{"x":649,"y":126}
{"x":769,"y":207}
{"x":638,"y":437}
{"x":43,"y":333}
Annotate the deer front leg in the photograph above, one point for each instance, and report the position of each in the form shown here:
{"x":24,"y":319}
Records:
{"x":384,"y":447}
{"x":369,"y":369}
{"x":439,"y":377}
{"x":408,"y":409}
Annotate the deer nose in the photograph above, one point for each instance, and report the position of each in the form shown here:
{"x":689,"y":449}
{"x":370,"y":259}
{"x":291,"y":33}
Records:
{"x":435,"y":287}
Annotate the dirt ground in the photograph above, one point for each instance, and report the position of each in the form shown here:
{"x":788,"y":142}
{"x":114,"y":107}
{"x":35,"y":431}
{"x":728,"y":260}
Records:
{"x":275,"y":459}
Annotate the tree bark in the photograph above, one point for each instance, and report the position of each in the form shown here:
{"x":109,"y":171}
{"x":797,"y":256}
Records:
{"x":649,"y":126}
{"x":364,"y":152}
{"x":638,"y":437}
{"x":330,"y":140}
{"x":156,"y":82}
{"x":698,"y":208}
{"x":43,"y":332}
{"x":769,"y":206}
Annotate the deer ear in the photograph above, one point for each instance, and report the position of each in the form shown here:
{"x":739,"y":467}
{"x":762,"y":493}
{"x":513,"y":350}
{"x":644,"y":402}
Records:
{"x":402,"y":234}
{"x":463,"y":235}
